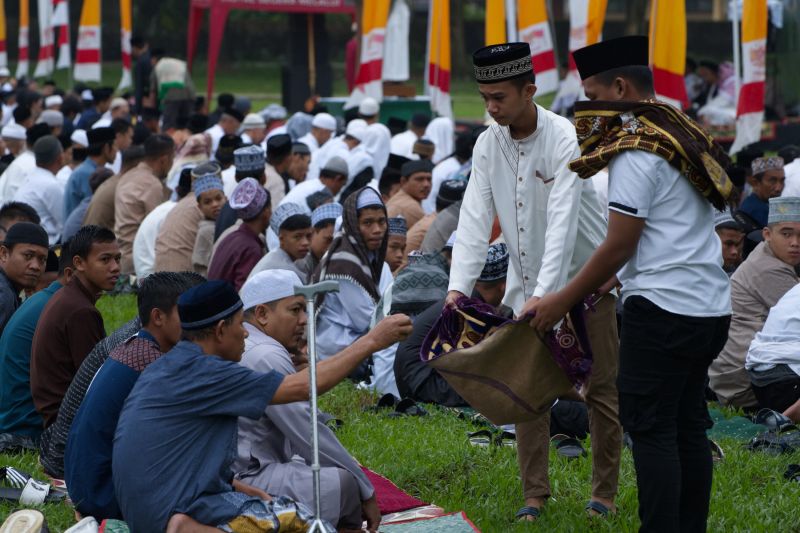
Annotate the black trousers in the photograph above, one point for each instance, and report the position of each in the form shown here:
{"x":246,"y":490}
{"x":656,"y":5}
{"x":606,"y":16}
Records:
{"x":664,"y":359}
{"x":778,"y":396}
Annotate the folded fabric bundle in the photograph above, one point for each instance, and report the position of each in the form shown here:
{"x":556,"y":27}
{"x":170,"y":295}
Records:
{"x":502,"y":367}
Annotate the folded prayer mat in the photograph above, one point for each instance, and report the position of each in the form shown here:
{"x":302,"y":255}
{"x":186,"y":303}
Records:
{"x":502,"y":367}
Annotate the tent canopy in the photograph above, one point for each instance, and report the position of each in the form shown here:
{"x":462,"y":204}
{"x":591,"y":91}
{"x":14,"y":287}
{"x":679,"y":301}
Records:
{"x":219,"y":10}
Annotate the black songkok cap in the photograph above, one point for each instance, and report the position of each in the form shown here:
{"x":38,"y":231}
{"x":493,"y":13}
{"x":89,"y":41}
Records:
{"x":52,"y":260}
{"x":26,"y":233}
{"x":235,"y":113}
{"x":396,"y":162}
{"x":206,"y":304}
{"x":501,"y":62}
{"x":614,"y":53}
{"x":418,"y":165}
{"x":279,"y":145}
{"x":100,"y":136}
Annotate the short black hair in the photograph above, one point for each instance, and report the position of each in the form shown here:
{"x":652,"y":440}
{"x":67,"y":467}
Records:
{"x":184,"y":183}
{"x":132,"y":155}
{"x":158,"y":145}
{"x":79,"y":155}
{"x":389,"y":179}
{"x":121,"y":125}
{"x":255,"y":174}
{"x":325,"y":173}
{"x":296,"y":222}
{"x":640,"y":76}
{"x":82,"y":241}
{"x":19,"y":211}
{"x":522,"y":81}
{"x":194,"y":335}
{"x":225,"y":100}
{"x":97,"y":149}
{"x":137,"y":41}
{"x":99,"y":176}
{"x":157,"y":53}
{"x":71,"y":105}
{"x":161,"y":290}
{"x":324,"y":223}
{"x":65,"y":259}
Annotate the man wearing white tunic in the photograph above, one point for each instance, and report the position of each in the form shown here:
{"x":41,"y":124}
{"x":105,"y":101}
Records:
{"x":552,"y":223}
{"x":274,"y":452}
{"x":323,"y":126}
{"x":41,"y":190}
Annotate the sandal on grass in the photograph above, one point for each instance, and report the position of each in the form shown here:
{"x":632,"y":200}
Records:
{"x":770,"y":444}
{"x":567,"y":446}
{"x":527,"y":511}
{"x":774,"y":421}
{"x":595,"y":508}
{"x":717,"y":454}
{"x":482,"y":438}
{"x":408,"y":407}
{"x":387,"y":401}
{"x":24,"y":521}
{"x":792,"y":473}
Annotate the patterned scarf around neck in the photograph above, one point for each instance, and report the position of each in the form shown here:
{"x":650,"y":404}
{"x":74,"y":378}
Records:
{"x":348,"y":257}
{"x":606,"y":129}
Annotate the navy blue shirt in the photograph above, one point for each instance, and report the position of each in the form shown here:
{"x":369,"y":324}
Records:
{"x":87,"y":457}
{"x":18,"y":415}
{"x":176,"y":437}
{"x":757,"y":208}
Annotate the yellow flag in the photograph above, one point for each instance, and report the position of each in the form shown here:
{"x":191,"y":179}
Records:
{"x":495,"y":22}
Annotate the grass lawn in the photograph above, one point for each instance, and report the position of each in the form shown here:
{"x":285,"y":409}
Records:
{"x":431,"y":459}
{"x":261,"y":82}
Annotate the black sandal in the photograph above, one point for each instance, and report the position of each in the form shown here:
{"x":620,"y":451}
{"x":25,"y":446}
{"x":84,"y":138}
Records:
{"x":528,"y":511}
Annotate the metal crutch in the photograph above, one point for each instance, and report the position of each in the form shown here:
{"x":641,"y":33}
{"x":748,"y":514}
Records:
{"x":310,"y":292}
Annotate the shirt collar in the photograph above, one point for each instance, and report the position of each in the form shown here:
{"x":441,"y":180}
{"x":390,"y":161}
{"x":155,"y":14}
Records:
{"x":83,"y":289}
{"x":146,"y":335}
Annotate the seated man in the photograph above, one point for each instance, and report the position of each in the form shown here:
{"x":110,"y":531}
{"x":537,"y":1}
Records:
{"x":450,"y":192}
{"x":415,"y":379}
{"x":293,"y":227}
{"x":237,"y":252}
{"x":20,"y":424}
{"x":396,"y":245}
{"x":767,"y":181}
{"x":323,"y":219}
{"x":415,"y":184}
{"x":275,"y":450}
{"x":23,"y":257}
{"x":178,"y":426}
{"x":70,"y":324}
{"x":773,"y":360}
{"x":766,"y":275}
{"x":210,"y":198}
{"x":731,"y":236}
{"x":87,"y":460}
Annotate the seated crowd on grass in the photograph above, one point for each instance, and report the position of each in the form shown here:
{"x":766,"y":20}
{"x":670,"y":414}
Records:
{"x":195,"y":414}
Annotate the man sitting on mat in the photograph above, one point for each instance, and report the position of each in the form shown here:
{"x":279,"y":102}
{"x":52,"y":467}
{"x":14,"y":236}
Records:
{"x":275,"y":450}
{"x":175,"y":441}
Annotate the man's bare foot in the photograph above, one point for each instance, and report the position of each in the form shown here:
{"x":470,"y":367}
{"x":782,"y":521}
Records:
{"x":181,"y":523}
{"x":536,"y":503}
{"x":609,"y":504}
{"x":793,"y":412}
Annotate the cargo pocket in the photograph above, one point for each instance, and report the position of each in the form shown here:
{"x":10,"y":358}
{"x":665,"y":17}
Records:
{"x":638,"y":403}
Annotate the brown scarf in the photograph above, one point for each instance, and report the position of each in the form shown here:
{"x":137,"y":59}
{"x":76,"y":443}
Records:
{"x":348,"y":257}
{"x":606,"y":129}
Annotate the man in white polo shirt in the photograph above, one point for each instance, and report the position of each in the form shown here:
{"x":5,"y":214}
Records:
{"x":665,"y":178}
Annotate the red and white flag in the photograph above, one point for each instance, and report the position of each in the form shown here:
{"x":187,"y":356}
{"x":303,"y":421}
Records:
{"x":438,"y":78}
{"x":586,"y":19}
{"x":368,"y":80}
{"x":87,"y":55}
{"x":22,"y":40}
{"x":44,"y":65}
{"x":750,"y":109}
{"x":61,"y":32}
{"x":125,"y":35}
{"x":534,"y":29}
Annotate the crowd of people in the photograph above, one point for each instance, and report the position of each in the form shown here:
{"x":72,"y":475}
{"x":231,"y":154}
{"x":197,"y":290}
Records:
{"x":194,"y":415}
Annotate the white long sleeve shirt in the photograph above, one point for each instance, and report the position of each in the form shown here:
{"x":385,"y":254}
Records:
{"x":551,"y":220}
{"x":42,"y":191}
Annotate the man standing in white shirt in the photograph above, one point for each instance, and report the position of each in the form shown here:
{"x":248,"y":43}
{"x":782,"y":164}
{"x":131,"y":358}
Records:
{"x":323,"y":126}
{"x":41,"y":190}
{"x":552,"y":223}
{"x":665,"y":174}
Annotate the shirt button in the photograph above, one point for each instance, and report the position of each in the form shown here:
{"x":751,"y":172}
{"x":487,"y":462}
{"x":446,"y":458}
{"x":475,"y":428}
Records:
{"x":526,"y":278}
{"x":522,"y":153}
{"x":521,"y":229}
{"x":523,"y":254}
{"x":519,"y":204}
{"x":520,"y":178}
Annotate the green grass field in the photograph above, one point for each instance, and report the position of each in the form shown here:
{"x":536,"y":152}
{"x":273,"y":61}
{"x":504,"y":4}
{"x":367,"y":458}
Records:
{"x":431,"y":459}
{"x":261,"y":82}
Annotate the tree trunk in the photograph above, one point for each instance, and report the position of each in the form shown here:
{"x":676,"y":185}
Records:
{"x":459,"y":58}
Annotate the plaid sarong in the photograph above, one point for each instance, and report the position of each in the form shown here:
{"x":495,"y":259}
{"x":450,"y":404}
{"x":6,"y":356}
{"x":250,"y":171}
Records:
{"x":502,"y":367}
{"x":606,"y":129}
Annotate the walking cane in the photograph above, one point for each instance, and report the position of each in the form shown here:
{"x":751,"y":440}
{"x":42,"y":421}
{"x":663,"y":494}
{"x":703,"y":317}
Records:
{"x":310,"y":292}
